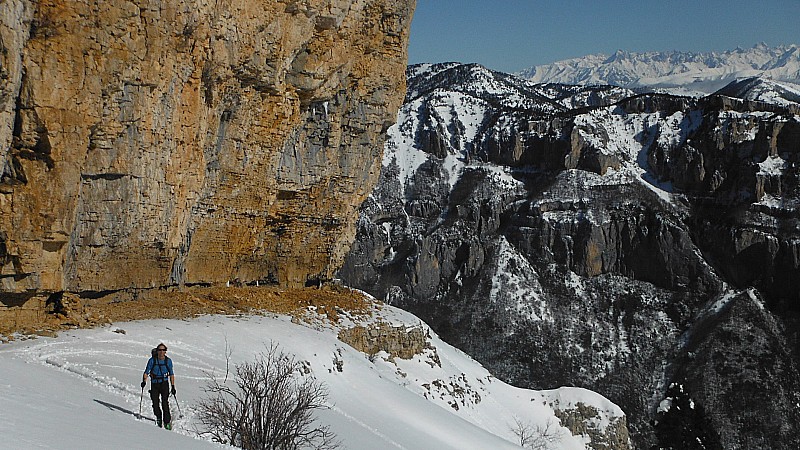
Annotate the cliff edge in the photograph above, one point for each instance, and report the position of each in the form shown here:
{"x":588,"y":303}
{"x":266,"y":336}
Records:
{"x":157,"y":143}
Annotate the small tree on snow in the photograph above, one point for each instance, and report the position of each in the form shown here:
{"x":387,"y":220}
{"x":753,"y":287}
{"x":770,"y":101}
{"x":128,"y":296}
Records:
{"x":537,"y":437}
{"x":268,"y":405}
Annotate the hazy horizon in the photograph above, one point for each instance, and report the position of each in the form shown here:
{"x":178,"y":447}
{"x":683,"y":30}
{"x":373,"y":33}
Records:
{"x":517,"y":34}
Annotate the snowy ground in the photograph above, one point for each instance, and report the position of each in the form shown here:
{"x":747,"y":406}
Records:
{"x":81,"y":389}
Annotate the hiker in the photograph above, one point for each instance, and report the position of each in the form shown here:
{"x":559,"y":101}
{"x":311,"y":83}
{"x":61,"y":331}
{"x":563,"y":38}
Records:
{"x":159,"y":368}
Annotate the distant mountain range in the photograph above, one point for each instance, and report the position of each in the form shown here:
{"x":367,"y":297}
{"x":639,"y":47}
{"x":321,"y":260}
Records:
{"x":683,"y":73}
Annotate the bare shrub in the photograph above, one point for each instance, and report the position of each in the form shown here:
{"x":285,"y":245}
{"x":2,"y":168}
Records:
{"x":267,"y":405}
{"x":537,"y":437}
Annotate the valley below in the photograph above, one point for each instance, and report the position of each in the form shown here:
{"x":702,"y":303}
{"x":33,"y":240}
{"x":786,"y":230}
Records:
{"x":636,"y":244}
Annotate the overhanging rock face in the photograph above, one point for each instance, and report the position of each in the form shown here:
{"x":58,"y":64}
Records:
{"x":155,"y":143}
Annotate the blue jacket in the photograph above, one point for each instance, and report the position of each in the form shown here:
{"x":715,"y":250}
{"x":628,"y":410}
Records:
{"x":159,"y":370}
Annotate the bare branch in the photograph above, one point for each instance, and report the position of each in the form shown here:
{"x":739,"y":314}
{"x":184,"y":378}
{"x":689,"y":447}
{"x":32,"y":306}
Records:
{"x":269,"y":404}
{"x":537,"y":437}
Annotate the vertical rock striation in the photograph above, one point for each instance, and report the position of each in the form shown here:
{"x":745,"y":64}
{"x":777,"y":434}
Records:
{"x":148,"y":143}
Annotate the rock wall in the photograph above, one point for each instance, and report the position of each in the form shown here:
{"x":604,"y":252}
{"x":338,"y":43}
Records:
{"x":146,"y":143}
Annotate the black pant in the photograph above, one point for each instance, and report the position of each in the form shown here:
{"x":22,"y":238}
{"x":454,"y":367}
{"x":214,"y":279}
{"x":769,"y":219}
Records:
{"x":161,"y":389}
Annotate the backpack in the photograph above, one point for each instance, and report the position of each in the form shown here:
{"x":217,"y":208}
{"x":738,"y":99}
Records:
{"x":157,"y":362}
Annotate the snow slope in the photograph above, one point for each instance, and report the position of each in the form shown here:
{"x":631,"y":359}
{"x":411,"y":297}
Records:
{"x":81,"y":389}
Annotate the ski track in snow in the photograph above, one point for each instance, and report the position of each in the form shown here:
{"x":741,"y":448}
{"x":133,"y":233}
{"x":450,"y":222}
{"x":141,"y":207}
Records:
{"x":386,"y":439}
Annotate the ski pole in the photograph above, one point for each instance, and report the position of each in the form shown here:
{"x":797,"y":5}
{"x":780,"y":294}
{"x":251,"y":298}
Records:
{"x":180,"y":414}
{"x":140,"y":402}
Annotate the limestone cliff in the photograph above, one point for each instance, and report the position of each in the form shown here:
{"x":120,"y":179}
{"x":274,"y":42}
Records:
{"x":148,"y":143}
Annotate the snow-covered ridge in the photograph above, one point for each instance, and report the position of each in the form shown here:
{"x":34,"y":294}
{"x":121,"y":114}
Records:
{"x":674,"y":71}
{"x":764,"y":90}
{"x":461,"y":103}
{"x":504,"y":90}
{"x":85,"y":380}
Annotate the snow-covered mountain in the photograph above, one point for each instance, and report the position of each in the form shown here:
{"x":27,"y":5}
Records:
{"x":640,"y":245}
{"x":81,"y":389}
{"x":676,"y":72}
{"x":763,"y":90}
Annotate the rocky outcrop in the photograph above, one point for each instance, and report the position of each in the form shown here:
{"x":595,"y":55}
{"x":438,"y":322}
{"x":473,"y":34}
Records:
{"x":584,"y":420}
{"x":177,"y":142}
{"x":397,"y":341}
{"x":600,"y":246}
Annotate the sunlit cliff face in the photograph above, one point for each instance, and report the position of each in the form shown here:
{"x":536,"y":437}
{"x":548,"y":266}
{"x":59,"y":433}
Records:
{"x":190,"y":142}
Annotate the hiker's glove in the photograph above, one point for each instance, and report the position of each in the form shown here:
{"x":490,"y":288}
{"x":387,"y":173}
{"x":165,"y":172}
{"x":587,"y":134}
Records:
{"x":144,"y":383}
{"x":173,"y":390}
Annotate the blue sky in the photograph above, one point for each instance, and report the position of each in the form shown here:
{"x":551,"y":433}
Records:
{"x":510,"y":35}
